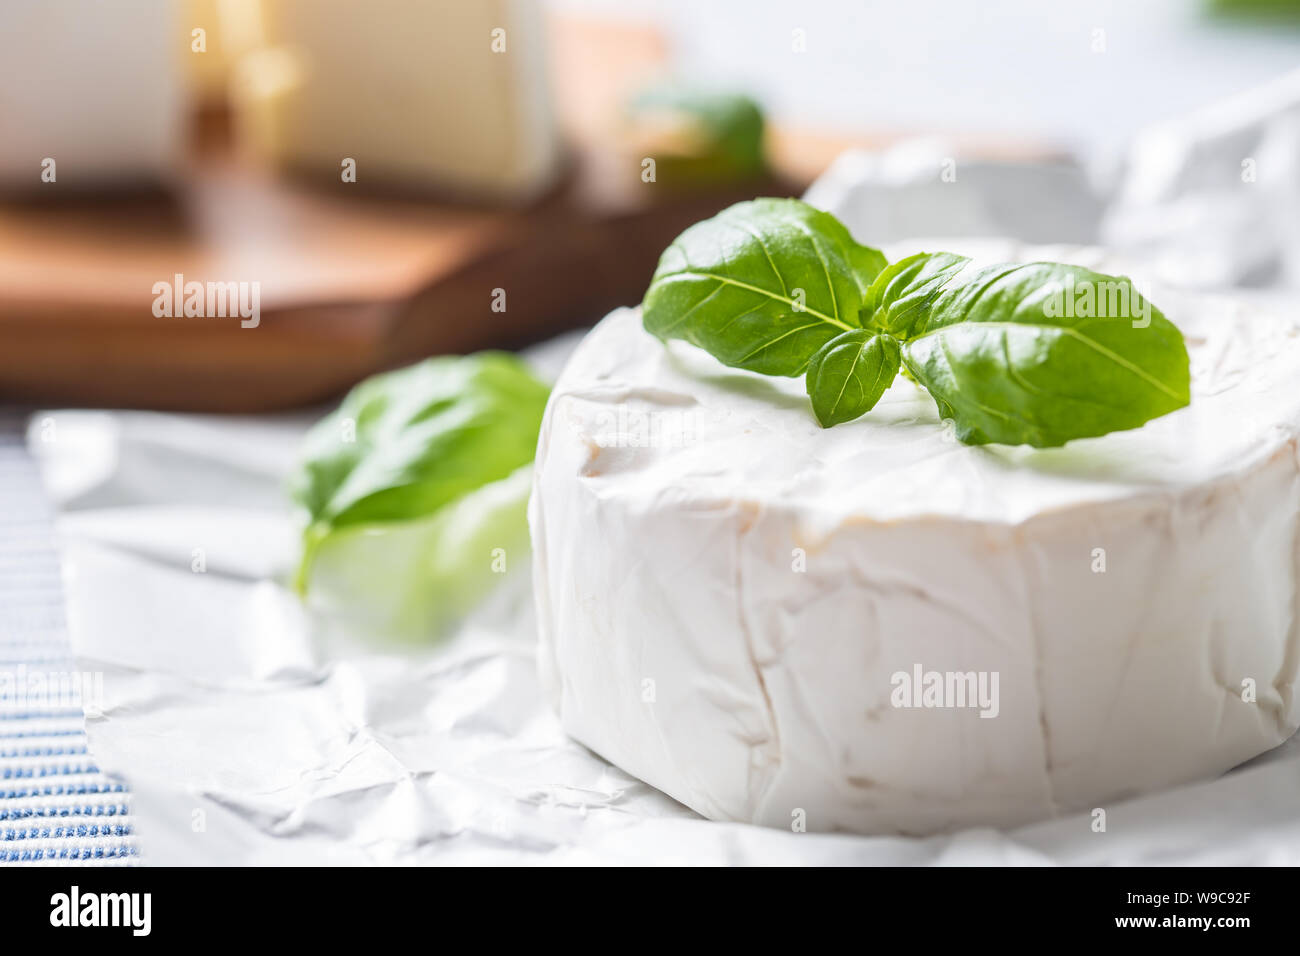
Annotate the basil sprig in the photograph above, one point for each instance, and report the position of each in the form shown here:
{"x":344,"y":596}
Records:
{"x":1037,"y":354}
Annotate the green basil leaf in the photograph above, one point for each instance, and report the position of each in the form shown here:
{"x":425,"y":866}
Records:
{"x":762,"y":285}
{"x":405,"y":444}
{"x":849,"y":373}
{"x":1044,"y":353}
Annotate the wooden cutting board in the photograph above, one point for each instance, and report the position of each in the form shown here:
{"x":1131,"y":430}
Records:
{"x":348,"y":286}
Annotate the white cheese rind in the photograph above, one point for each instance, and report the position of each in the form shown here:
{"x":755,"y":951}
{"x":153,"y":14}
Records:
{"x":674,"y":500}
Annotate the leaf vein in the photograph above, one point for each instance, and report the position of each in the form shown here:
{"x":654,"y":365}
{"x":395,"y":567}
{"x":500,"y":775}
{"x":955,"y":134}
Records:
{"x":763,"y":245}
{"x":826,"y":269}
{"x":691,"y":274}
{"x":857,"y":355}
{"x":767,"y":345}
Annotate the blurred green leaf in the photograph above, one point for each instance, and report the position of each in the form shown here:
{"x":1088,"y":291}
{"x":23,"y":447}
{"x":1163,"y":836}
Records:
{"x":393,"y":479}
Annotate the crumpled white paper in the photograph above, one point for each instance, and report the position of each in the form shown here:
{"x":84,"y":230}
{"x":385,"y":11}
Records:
{"x":1213,"y":199}
{"x":923,"y":187}
{"x":252,"y":733}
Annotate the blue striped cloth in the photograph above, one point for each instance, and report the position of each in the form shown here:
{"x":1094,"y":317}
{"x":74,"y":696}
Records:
{"x":55,"y":804}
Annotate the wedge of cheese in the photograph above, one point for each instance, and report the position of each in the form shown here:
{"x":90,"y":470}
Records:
{"x":875,"y":628}
{"x":91,"y":94}
{"x":441,"y":95}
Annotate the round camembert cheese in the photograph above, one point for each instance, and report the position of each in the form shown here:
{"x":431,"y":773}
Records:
{"x":875,"y":628}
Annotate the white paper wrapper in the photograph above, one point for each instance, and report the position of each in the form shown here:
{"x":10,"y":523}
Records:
{"x":250,"y":735}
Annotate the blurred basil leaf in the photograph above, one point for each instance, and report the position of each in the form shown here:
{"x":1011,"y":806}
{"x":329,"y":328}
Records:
{"x":415,"y":479}
{"x":699,"y":134}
